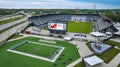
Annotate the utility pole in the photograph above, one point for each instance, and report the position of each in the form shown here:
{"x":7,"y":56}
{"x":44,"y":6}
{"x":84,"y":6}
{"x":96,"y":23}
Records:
{"x":94,"y":22}
{"x":76,"y":10}
{"x":94,"y":7}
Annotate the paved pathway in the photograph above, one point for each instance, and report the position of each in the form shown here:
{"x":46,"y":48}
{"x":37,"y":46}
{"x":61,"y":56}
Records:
{"x":115,"y":61}
{"x":74,"y":63}
{"x":117,"y":40}
{"x":82,"y":48}
{"x":83,"y":51}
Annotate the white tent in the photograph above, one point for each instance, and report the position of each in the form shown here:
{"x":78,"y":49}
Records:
{"x":97,"y":34}
{"x":67,"y":38}
{"x":108,"y":33}
{"x":93,"y":60}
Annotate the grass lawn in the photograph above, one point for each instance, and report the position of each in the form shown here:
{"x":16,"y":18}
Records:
{"x":37,"y":49}
{"x":81,"y":64}
{"x":9,"y":59}
{"x":107,"y":56}
{"x":110,"y":42}
{"x":46,"y":28}
{"x":118,"y":65}
{"x":15,"y":36}
{"x":80,"y":27}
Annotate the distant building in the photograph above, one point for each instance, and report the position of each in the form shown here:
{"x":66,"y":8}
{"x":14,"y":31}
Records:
{"x":114,"y":13}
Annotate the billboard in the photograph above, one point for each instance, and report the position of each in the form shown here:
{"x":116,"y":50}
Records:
{"x":57,"y":26}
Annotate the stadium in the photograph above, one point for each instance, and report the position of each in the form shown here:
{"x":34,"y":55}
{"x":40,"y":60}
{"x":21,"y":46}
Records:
{"x":59,"y":33}
{"x":61,"y":40}
{"x":99,"y":22}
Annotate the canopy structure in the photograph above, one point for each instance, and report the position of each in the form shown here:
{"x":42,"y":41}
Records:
{"x":93,"y":60}
{"x":67,"y":38}
{"x":108,"y":33}
{"x":97,"y":34}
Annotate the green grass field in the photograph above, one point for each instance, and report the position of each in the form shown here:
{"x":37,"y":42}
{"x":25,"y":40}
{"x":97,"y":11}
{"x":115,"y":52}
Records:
{"x":118,"y":65}
{"x":80,"y":27}
{"x":107,"y":56}
{"x":110,"y":42}
{"x":15,"y":36}
{"x":9,"y":59}
{"x":37,"y":49}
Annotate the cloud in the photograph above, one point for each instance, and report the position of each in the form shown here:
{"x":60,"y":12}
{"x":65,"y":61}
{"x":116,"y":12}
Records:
{"x":52,"y":4}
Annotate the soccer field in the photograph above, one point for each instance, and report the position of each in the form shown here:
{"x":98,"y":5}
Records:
{"x":37,"y":49}
{"x":10,"y":59}
{"x":80,"y":27}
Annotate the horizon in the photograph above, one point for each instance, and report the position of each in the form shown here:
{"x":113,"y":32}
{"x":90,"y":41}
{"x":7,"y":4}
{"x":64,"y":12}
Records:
{"x":62,"y":4}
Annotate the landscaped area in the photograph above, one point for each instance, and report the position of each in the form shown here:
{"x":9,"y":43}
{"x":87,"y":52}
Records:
{"x":68,"y":55}
{"x":118,"y":65}
{"x":15,"y":36}
{"x":110,"y":42}
{"x":80,"y":27}
{"x":81,"y":64}
{"x":107,"y":56}
{"x":37,"y":49}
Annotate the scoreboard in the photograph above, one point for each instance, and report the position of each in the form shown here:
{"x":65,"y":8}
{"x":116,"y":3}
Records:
{"x":57,"y":26}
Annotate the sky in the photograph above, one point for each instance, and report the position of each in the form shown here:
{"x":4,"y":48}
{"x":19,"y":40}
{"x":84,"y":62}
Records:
{"x":60,"y":4}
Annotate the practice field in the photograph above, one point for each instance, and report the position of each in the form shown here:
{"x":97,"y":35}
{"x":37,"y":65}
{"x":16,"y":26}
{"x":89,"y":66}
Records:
{"x":37,"y":49}
{"x":80,"y":27}
{"x":10,"y":59}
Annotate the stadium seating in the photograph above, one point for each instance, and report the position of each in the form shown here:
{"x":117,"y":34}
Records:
{"x":100,"y":24}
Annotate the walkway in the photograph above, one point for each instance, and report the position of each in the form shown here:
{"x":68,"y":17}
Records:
{"x":115,"y":61}
{"x":82,"y":48}
{"x":83,"y":51}
{"x":74,"y":63}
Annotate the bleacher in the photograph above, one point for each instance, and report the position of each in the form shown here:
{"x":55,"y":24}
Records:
{"x":100,"y":23}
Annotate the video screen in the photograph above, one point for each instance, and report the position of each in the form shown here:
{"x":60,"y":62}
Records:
{"x":57,"y":26}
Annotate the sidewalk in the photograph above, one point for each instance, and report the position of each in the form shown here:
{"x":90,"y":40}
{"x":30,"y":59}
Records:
{"x":83,"y":49}
{"x":74,"y":63}
{"x":115,"y":61}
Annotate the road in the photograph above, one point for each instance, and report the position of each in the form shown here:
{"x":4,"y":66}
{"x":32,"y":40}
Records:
{"x":10,"y":17}
{"x":8,"y":33}
{"x":4,"y":26}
